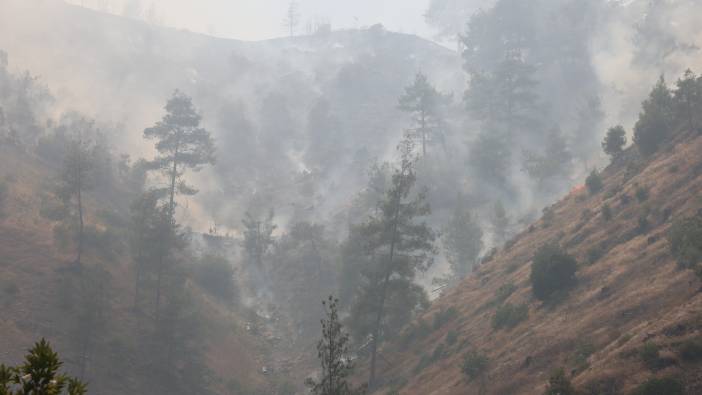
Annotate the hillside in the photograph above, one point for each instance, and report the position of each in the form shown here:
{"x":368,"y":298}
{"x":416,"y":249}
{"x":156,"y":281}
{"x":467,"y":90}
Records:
{"x":629,"y":292}
{"x":38,"y":300}
{"x":255,"y":97}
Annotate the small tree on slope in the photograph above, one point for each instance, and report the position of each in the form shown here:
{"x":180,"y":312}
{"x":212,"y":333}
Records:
{"x":332,"y":350}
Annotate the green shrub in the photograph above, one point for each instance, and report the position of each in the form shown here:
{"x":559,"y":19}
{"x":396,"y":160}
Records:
{"x":508,"y":316}
{"x":451,"y":337}
{"x":415,"y":332}
{"x":504,"y":292}
{"x":643,"y":225}
{"x":595,"y":253}
{"x":444,"y":316}
{"x":439,"y":352}
{"x":552,"y":271}
{"x":474,"y":364}
{"x":691,"y":350}
{"x":582,"y":353}
{"x":559,"y":384}
{"x":603,"y":386}
{"x":594,"y":182}
{"x":641,"y":194}
{"x":653,"y":127}
{"x":664,"y":386}
{"x":650,"y":355}
{"x":685,"y":238}
{"x":424,"y":361}
{"x":614,"y":141}
{"x":624,"y":199}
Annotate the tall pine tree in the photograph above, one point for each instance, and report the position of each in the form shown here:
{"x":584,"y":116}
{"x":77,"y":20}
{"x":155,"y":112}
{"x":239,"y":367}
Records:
{"x":397,"y":246}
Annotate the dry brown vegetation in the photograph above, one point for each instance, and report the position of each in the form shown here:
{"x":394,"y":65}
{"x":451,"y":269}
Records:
{"x":629,"y":292}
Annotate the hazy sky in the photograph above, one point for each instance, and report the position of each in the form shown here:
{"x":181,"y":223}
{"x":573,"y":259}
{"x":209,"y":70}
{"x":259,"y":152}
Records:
{"x":262,"y":19}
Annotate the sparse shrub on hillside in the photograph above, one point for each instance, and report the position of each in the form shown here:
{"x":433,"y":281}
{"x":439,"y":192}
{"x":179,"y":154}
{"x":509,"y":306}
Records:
{"x":424,"y":361}
{"x":650,"y":353}
{"x":643,"y":224}
{"x":655,"y":121}
{"x":594,"y":182}
{"x":504,"y":292}
{"x":451,"y":337}
{"x":685,"y":238}
{"x":691,"y":350}
{"x":595,"y":253}
{"x":603,"y":386}
{"x":606,"y":212}
{"x":415,"y":332}
{"x":443,"y":316}
{"x":559,"y":384}
{"x":614,"y":142}
{"x":552,"y":270}
{"x":475,"y":364}
{"x":508,"y":316}
{"x":216,"y":276}
{"x":664,"y":386}
{"x":624,"y":199}
{"x":641,"y":194}
{"x":582,"y":352}
{"x":650,"y":356}
{"x":439,"y":352}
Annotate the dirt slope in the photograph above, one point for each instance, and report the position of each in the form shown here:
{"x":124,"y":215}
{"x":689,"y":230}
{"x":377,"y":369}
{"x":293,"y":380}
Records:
{"x":633,"y":293}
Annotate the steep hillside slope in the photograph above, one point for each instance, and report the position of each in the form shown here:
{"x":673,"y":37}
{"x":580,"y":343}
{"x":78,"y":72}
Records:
{"x":629,"y":292}
{"x":36,"y":301}
{"x":259,"y":99}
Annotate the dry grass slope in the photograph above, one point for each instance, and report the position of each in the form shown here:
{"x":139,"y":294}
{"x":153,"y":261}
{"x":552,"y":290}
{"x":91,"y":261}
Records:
{"x":631,"y":294}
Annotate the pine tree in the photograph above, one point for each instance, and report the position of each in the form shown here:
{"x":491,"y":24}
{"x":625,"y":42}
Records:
{"x":145,"y":238}
{"x":656,"y":120}
{"x":688,"y":98}
{"x":426,"y":106}
{"x":258,"y":236}
{"x":39,"y":375}
{"x":462,"y":241}
{"x":397,"y":246}
{"x":333,"y":354}
{"x":181,"y":144}
{"x":614,"y":142}
{"x":77,"y":176}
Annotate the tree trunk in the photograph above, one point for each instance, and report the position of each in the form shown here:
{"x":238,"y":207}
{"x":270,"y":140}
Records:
{"x":137,"y":281}
{"x":166,"y":230}
{"x":424,"y":134}
{"x":383,"y":292}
